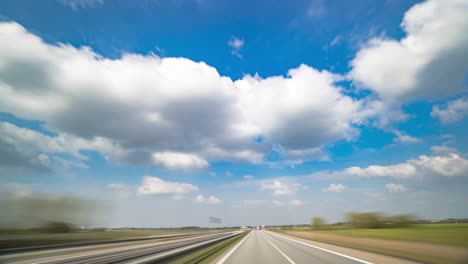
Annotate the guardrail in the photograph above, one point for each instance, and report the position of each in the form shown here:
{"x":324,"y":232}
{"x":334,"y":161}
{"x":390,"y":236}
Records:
{"x":90,"y":243}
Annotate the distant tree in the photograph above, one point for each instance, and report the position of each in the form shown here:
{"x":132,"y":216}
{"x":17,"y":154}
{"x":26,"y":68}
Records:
{"x":318,"y":223}
{"x":400,"y":221}
{"x":379,"y":220}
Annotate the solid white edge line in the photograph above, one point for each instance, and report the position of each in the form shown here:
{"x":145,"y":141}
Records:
{"x":225,"y":257}
{"x":326,"y":250}
{"x":279,"y":250}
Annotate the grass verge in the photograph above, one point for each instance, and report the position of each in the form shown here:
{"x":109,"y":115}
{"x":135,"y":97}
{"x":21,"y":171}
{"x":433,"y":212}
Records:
{"x":447,"y":234}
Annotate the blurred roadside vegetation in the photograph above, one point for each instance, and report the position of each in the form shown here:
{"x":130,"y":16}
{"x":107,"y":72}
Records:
{"x":396,"y":227}
{"x":41,"y":213}
{"x":32,"y":219}
{"x":437,"y":242}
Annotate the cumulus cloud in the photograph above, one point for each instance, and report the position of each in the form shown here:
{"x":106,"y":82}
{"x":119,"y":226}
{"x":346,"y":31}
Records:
{"x":24,"y":148}
{"x":395,"y":187}
{"x":207,"y":200}
{"x":403,"y":170}
{"x":174,"y":160}
{"x":154,"y":185}
{"x":335,"y":188}
{"x":138,"y":109}
{"x":452,"y":112}
{"x":430,"y":61}
{"x":446,"y":164}
{"x":280,"y":188}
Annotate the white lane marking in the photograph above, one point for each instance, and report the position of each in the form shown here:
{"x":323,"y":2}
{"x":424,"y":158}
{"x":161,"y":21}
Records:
{"x":326,"y":250}
{"x":279,"y":250}
{"x":225,"y":257}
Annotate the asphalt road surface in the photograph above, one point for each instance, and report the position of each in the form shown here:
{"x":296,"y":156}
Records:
{"x":272,"y":248}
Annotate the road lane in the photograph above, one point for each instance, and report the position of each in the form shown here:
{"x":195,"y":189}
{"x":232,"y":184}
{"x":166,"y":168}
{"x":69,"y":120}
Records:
{"x":274,"y":248}
{"x":303,"y":253}
{"x":256,"y":249}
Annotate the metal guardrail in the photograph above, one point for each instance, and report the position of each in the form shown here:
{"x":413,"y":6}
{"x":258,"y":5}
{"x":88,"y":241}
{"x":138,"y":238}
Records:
{"x":164,"y":252}
{"x":90,"y":243}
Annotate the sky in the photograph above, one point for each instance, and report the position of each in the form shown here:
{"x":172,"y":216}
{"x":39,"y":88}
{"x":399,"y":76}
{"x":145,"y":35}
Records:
{"x":255,"y":112}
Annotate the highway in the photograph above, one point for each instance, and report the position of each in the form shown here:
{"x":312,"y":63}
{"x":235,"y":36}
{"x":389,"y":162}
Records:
{"x":258,"y":246}
{"x":130,"y":252}
{"x":273,"y":248}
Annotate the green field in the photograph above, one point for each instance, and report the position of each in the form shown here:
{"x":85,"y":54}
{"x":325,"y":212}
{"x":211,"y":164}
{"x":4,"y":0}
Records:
{"x":448,"y":243}
{"x":440,"y":233}
{"x":449,"y":234}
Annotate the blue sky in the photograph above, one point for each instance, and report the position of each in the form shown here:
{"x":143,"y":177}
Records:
{"x":256,"y":112}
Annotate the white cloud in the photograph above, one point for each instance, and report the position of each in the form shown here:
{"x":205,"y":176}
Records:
{"x":301,"y":112}
{"x":443,"y":150}
{"x":154,"y":185}
{"x":454,"y":111}
{"x":335,"y":188}
{"x":403,"y":170}
{"x":405,"y":139}
{"x":248,"y":177}
{"x":212,"y":173}
{"x":450,"y":165}
{"x":174,"y":160}
{"x":228,"y":173}
{"x":236,"y":44}
{"x":280,"y":188}
{"x":441,"y":163}
{"x":296,"y":203}
{"x":77,"y":4}
{"x":207,"y":200}
{"x":395,"y":187}
{"x":26,"y":148}
{"x":430,"y":61}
